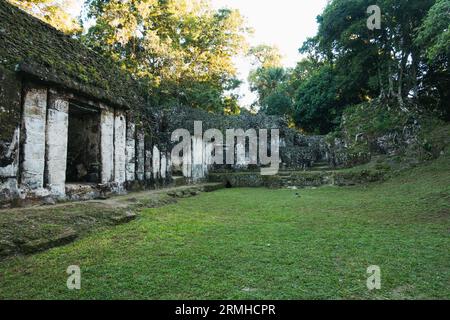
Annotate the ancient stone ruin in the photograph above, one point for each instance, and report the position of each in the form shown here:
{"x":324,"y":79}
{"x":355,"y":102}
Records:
{"x":71,"y":126}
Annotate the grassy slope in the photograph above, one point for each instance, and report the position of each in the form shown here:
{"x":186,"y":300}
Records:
{"x":270,"y":243}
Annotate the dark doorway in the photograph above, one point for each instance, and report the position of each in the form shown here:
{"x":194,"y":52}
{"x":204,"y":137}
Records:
{"x":83,"y":149}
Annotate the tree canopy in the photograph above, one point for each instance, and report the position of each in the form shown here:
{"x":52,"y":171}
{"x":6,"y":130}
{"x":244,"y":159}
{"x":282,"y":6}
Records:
{"x":53,"y":12}
{"x":347,"y":63}
{"x":182,"y":52}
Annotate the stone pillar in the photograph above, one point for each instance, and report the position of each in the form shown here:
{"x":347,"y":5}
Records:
{"x":156,"y":163}
{"x":169,"y":167}
{"x":120,"y":129}
{"x":107,"y":145}
{"x":163,"y":169}
{"x":56,"y":143}
{"x":207,"y":157}
{"x":34,"y":122}
{"x":148,"y":164}
{"x":131,"y":152}
{"x":140,"y":156}
{"x":240,"y":153}
{"x":197,"y":158}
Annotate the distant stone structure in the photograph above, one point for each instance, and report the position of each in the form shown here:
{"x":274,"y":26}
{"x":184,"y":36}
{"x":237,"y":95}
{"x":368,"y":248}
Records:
{"x":70,"y":123}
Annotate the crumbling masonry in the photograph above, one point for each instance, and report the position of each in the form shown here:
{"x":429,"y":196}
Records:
{"x":69,"y":125}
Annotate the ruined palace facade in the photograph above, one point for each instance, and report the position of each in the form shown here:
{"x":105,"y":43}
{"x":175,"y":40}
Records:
{"x":75,"y":126}
{"x":65,"y":116}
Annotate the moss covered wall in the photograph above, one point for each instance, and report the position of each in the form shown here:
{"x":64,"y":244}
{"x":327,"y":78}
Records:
{"x":296,"y":150}
{"x":10,"y":99}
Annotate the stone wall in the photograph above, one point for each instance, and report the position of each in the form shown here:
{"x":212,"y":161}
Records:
{"x":63,"y":136}
{"x":56,"y":143}
{"x":33,"y":136}
{"x":297,"y":151}
{"x":10,"y":99}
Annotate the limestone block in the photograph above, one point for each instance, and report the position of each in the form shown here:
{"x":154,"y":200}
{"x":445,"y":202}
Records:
{"x":140,"y":156}
{"x":163,"y":168}
{"x":169,"y":166}
{"x":131,"y":152}
{"x":56,"y":143}
{"x":107,"y":145}
{"x":197,"y":158}
{"x":156,"y":163}
{"x":34,"y":123}
{"x":148,"y":164}
{"x":119,"y":148}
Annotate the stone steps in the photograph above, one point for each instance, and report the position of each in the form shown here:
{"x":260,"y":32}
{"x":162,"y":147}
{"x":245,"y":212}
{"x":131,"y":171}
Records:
{"x":299,"y":179}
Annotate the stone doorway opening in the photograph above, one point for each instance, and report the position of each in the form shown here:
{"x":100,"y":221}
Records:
{"x":83,"y":145}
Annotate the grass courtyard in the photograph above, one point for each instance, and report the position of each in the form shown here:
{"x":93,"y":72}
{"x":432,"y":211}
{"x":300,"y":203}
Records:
{"x":262,"y":244}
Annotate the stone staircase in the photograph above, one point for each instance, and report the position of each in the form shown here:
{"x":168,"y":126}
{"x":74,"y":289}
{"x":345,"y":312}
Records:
{"x":321,"y":166}
{"x":318,"y":175}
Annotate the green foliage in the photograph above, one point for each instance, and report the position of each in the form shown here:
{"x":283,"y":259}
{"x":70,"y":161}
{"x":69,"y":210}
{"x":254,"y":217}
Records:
{"x":53,"y":12}
{"x":348,"y":64}
{"x":266,"y":56}
{"x":183,"y":49}
{"x":317,"y":102}
{"x":278,"y":103}
{"x":434,"y":34}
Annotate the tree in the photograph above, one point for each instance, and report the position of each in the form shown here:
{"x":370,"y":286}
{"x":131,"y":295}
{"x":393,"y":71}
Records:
{"x":53,"y":12}
{"x":318,"y":106}
{"x":434,"y":34}
{"x":266,"y":56}
{"x":386,"y":61}
{"x":183,"y":49}
{"x":269,"y":80}
{"x":434,"y":38}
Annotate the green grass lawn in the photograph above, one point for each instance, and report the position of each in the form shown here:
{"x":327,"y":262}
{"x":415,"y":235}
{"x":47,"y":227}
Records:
{"x":262,"y":244}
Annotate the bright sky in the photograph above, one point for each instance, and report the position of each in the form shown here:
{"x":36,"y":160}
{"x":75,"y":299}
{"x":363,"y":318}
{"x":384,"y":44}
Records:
{"x":284,"y":23}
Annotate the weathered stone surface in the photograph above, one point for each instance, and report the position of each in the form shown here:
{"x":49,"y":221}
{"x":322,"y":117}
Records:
{"x":107,"y":145}
{"x":163,"y":168}
{"x":131,"y":151}
{"x":10,"y":156}
{"x":119,"y":148}
{"x":299,"y":179}
{"x":123,"y":218}
{"x":48,"y":201}
{"x":9,"y":191}
{"x":81,"y":192}
{"x":169,"y":167}
{"x":34,"y":47}
{"x":197,"y":159}
{"x":10,"y":100}
{"x":156,"y":163}
{"x":148,"y":165}
{"x":140,"y":156}
{"x":69,"y":235}
{"x":34,"y":124}
{"x":56,"y":143}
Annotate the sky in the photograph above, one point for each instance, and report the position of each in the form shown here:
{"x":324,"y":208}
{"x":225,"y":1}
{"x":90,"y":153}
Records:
{"x":283,"y":23}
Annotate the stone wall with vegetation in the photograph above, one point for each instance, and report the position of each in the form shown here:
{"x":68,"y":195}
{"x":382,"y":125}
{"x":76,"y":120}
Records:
{"x":384,"y":128}
{"x":297,"y":151}
{"x":10,"y":99}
